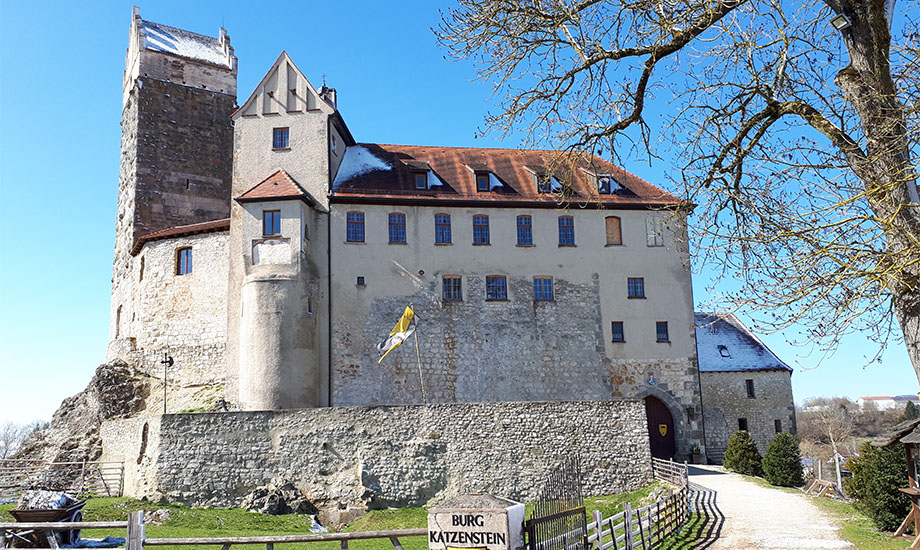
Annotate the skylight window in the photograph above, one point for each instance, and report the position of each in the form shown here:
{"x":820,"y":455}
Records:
{"x":723,"y":351}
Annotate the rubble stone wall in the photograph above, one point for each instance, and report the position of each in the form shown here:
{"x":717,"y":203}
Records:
{"x":383,"y":456}
{"x":184,"y":315}
{"x":725,"y":400}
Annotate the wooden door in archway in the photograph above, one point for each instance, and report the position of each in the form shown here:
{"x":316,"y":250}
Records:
{"x":660,"y":428}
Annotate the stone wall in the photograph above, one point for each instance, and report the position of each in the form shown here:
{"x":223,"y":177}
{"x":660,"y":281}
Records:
{"x":725,"y":400}
{"x":176,"y":160}
{"x":383,"y":456}
{"x":159,"y":311}
{"x":518,"y":349}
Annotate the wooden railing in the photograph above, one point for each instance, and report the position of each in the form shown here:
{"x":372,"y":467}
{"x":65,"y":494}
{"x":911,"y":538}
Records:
{"x":644,"y":527}
{"x":135,"y":538}
{"x":672,"y":472}
{"x":88,"y":478}
{"x":648,"y":526}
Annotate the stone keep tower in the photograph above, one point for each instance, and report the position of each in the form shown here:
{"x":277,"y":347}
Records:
{"x":177,"y":139}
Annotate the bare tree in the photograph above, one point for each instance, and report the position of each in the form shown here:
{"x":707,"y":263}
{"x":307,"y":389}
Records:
{"x":796,"y":140}
{"x":831,"y":425}
{"x":11,"y":435}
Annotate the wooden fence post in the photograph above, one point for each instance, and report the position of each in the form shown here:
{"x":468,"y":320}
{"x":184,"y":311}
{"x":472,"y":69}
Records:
{"x":598,"y":521}
{"x":135,"y":537}
{"x":627,"y":516}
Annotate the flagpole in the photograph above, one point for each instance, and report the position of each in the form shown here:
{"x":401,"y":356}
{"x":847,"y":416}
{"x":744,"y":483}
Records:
{"x":418,"y":355}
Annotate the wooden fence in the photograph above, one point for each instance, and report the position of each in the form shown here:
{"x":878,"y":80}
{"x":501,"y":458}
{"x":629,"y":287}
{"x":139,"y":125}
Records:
{"x":135,"y":538}
{"x":631,"y":529}
{"x":648,"y":526}
{"x":83,"y":479}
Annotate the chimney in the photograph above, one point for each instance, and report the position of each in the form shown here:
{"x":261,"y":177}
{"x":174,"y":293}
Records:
{"x":329,"y":95}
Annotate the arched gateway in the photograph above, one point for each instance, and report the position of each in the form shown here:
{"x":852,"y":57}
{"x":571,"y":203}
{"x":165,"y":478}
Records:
{"x":660,"y":428}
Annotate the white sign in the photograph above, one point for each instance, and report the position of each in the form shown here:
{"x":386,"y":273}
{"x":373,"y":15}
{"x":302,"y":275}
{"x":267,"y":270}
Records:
{"x":480,"y":522}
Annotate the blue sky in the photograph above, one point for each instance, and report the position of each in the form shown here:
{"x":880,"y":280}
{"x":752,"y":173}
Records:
{"x":60,"y":105}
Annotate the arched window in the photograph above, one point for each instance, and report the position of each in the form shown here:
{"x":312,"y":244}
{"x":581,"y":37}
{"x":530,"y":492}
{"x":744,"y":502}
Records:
{"x":480,"y":229}
{"x":442,"y":228}
{"x":354,"y":231}
{"x":614,"y":234}
{"x":566,"y":231}
{"x":398,"y":228}
{"x":524,"y":231}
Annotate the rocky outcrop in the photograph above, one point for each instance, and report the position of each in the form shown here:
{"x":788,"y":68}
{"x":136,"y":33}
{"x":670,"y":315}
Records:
{"x":280,"y":496}
{"x":116,"y":390}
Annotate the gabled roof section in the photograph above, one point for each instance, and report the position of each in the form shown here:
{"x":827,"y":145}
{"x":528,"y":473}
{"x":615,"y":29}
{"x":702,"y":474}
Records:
{"x":163,"y":38}
{"x":270,"y":83}
{"x":904,"y":432}
{"x":385,"y":174}
{"x":724,"y":344}
{"x":180,"y":231}
{"x":278,"y":186}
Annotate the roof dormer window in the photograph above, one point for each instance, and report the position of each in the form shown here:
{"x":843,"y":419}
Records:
{"x":420,"y":179}
{"x":723,"y":351}
{"x":607,"y":184}
{"x":482,"y":181}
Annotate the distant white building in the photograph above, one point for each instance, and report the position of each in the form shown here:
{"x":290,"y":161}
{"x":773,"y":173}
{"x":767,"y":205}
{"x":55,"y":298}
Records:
{"x":887,"y":402}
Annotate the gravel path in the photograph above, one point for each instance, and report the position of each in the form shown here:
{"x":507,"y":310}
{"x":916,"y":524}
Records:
{"x":744,"y":515}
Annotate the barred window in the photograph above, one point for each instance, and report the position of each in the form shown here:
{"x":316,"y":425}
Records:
{"x":616,"y":332}
{"x":524,"y":230}
{"x":451,"y":288}
{"x":661,"y":331}
{"x":355,"y":227}
{"x":543,"y":288}
{"x":566,"y":231}
{"x":280,"y":138}
{"x":442,"y":228}
{"x":480,"y":229}
{"x":496,"y":287}
{"x":397,"y":228}
{"x":635,"y":287}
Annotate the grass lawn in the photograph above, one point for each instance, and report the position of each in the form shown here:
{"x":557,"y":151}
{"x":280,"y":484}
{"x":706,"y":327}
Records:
{"x":187,"y":522}
{"x":857,"y":528}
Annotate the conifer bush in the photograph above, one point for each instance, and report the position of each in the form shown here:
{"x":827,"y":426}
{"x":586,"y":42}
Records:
{"x":782,"y":463}
{"x":742,"y":456}
{"x":878,"y":472}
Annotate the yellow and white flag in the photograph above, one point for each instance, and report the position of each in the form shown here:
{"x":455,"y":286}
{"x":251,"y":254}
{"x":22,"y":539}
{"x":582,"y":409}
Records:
{"x":400,"y":333}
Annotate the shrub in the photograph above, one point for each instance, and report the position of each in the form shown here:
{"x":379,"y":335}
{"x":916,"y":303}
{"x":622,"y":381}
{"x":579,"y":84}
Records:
{"x":741,"y":455}
{"x":782,"y":463}
{"x":877,"y":474}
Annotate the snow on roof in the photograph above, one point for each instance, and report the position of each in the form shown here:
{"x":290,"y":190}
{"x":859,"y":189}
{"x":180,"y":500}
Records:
{"x":163,"y":38}
{"x":723,"y":343}
{"x":358,"y":161}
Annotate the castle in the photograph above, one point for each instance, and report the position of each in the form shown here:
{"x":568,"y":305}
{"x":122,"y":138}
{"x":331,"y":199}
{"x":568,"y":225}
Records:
{"x":267,"y":251}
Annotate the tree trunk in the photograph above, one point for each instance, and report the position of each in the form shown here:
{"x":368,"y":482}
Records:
{"x":885,"y":168}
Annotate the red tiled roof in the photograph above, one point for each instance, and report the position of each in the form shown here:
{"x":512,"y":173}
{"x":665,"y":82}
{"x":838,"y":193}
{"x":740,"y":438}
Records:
{"x":180,"y":231}
{"x":514,"y":168}
{"x":279,"y":185}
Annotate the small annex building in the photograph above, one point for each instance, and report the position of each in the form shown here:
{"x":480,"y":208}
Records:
{"x":744,"y":385}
